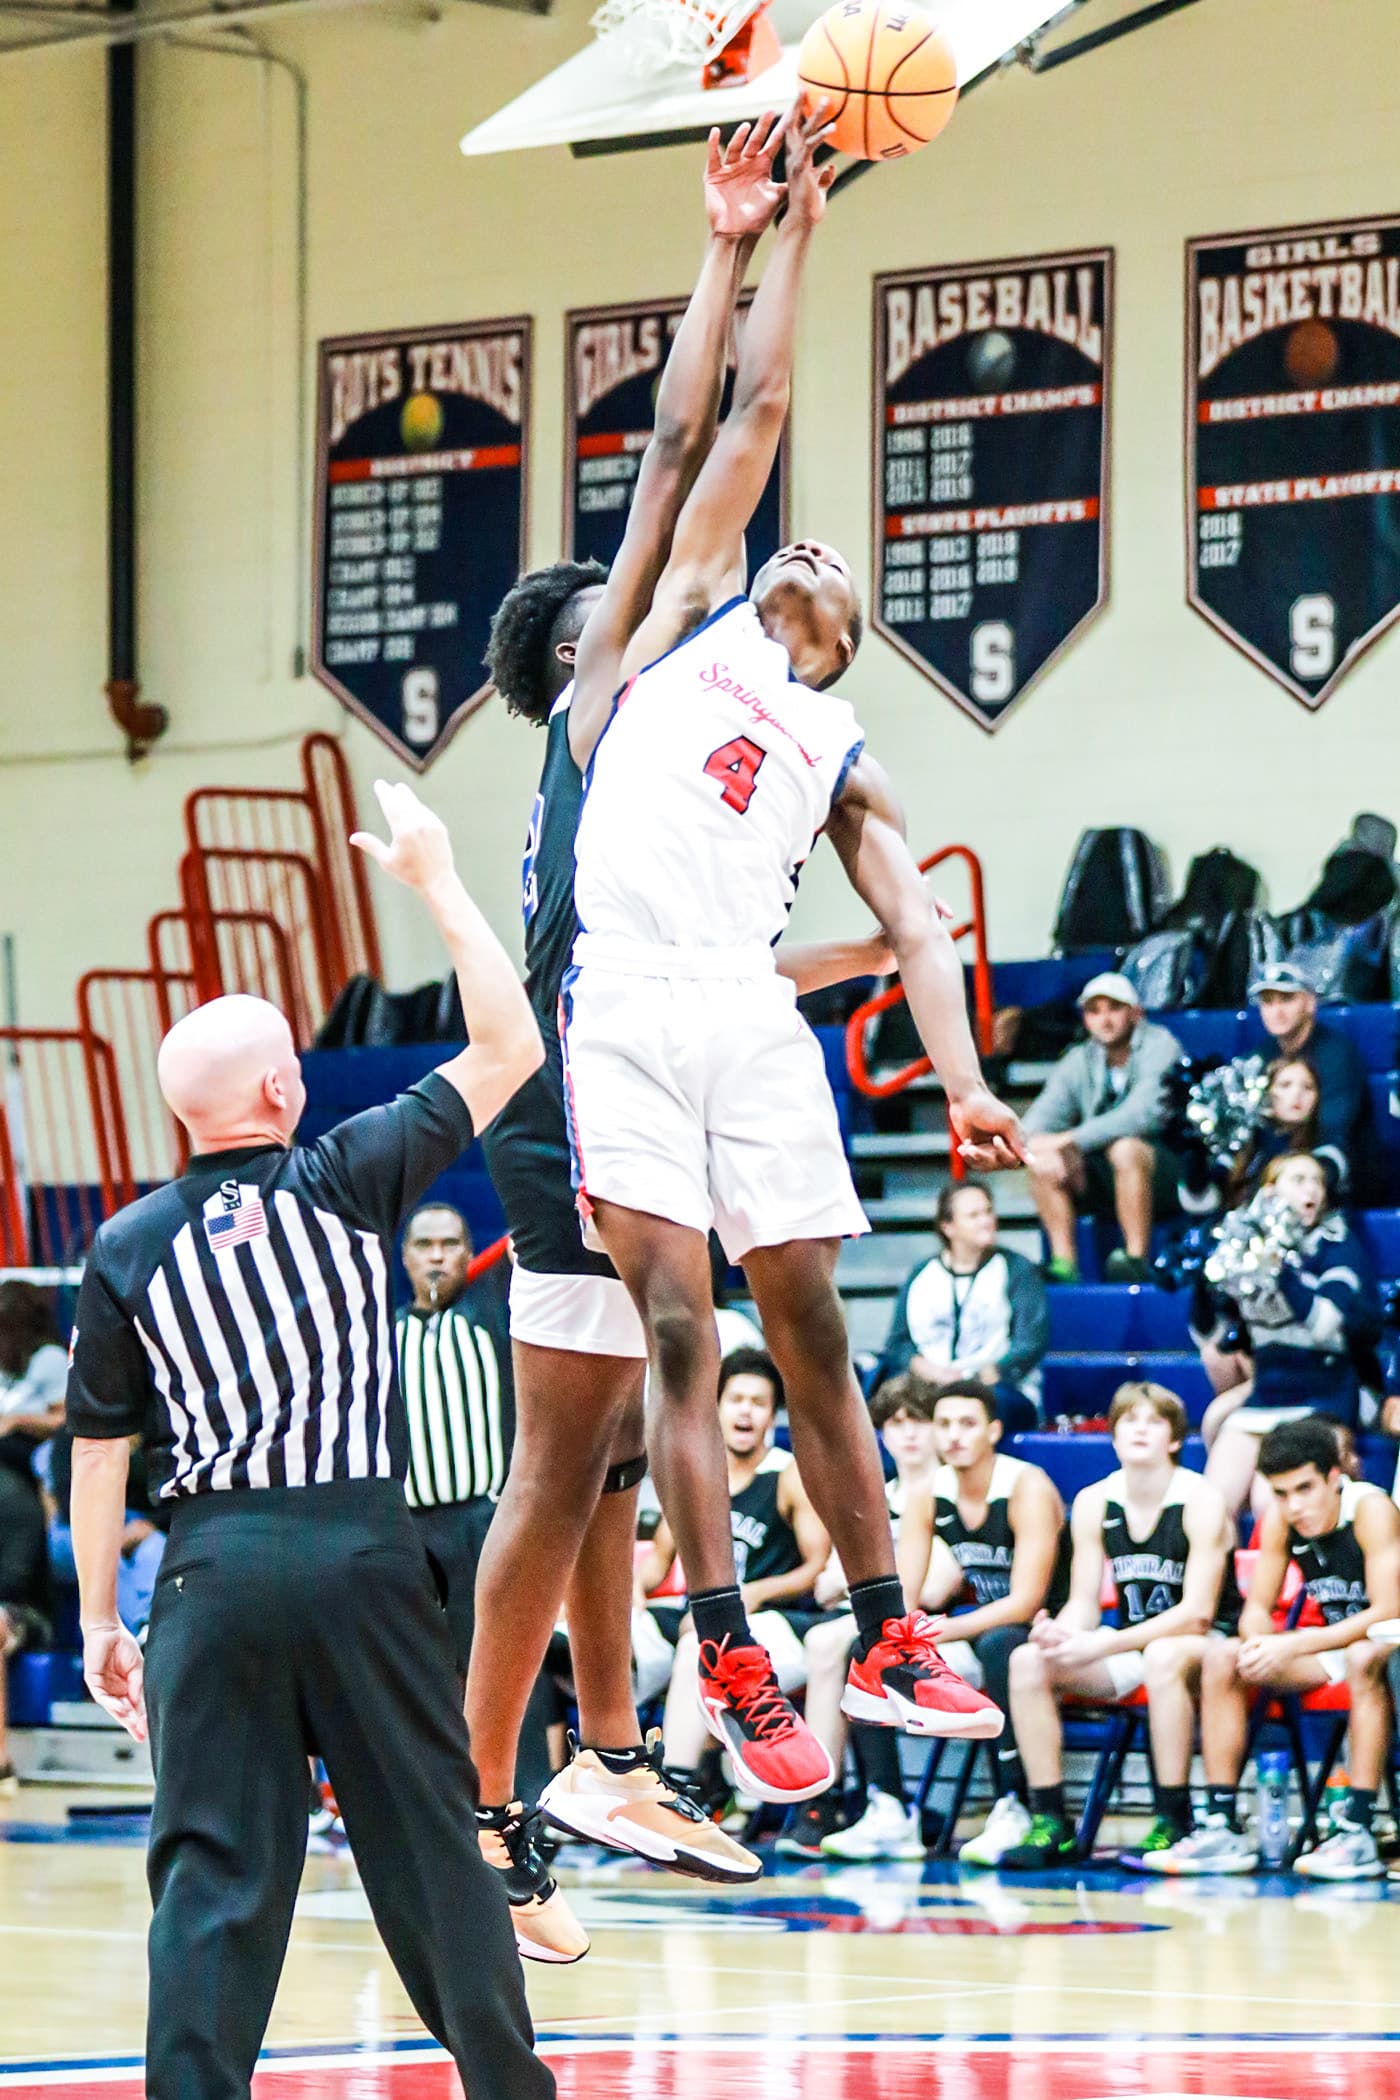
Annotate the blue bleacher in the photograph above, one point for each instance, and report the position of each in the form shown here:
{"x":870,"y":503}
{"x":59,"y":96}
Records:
{"x":1126,"y":1317}
{"x":1206,"y":1032}
{"x":1075,"y":1461}
{"x":1084,"y":1384}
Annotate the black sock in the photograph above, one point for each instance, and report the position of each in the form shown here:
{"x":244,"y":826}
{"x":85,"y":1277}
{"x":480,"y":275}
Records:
{"x":720,"y":1613}
{"x":628,"y":1760}
{"x":874,"y":1602}
{"x":1011,"y":1778}
{"x":877,"y":1754}
{"x":1049,"y":1801}
{"x":1173,"y":1805}
{"x":1220,"y":1801}
{"x":1361,"y":1807}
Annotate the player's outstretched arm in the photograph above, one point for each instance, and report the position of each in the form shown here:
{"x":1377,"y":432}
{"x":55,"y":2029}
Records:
{"x":866,"y":827}
{"x":741,"y":201}
{"x":707,"y":556}
{"x":504,"y":1045}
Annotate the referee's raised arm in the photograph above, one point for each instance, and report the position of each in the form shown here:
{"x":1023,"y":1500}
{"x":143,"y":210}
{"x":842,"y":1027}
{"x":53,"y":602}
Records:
{"x":503,"y":1046}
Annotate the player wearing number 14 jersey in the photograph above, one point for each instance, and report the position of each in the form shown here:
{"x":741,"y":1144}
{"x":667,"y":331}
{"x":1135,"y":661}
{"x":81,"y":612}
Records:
{"x":696,"y":1094}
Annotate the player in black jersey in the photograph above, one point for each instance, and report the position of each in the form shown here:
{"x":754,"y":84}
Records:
{"x":987,"y":1530}
{"x":1344,"y":1537}
{"x":1164,"y":1538}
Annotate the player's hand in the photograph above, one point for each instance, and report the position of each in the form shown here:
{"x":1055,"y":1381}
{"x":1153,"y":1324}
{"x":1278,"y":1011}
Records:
{"x":989,"y":1134}
{"x":1080,"y":1651}
{"x":114,"y":1673}
{"x":1259,"y":1658}
{"x":741,"y":197}
{"x":419,"y":850}
{"x":808,"y":184}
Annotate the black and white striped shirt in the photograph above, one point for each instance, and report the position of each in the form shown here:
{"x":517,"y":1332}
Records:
{"x":458,"y":1437}
{"x":239,"y":1318}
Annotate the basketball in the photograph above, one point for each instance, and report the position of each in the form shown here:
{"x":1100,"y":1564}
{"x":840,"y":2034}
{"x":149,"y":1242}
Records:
{"x":886,"y":72}
{"x":1310,"y":354}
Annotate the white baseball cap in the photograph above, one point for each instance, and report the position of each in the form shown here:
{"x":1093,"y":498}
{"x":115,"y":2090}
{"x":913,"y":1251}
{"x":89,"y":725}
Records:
{"x":1110,"y":984}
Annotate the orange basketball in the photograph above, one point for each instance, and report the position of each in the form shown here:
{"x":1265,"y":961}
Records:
{"x":885,"y":71}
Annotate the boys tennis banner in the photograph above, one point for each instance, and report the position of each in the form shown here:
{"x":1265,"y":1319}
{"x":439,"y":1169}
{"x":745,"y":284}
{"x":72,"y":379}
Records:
{"x":991,"y":468}
{"x":1293,"y":444}
{"x":616,"y":355}
{"x":420,"y":521}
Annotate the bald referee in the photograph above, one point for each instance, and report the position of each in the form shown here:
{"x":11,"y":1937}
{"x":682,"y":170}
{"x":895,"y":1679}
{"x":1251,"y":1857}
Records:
{"x":239,"y":1320}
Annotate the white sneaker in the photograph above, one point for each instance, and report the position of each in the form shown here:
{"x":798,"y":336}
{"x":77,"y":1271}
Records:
{"x":1213,"y":1847}
{"x":1008,"y":1824}
{"x":1349,"y":1854}
{"x":887,"y":1830}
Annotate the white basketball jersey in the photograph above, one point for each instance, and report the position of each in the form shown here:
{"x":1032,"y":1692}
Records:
{"x":707,"y":792}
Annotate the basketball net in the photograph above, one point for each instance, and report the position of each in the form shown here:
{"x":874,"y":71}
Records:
{"x":727,"y":42}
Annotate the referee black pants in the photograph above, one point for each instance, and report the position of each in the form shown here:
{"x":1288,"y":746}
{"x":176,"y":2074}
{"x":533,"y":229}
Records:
{"x":293,"y":1621}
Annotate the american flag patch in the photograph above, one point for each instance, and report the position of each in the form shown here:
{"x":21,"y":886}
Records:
{"x":245,"y":1221}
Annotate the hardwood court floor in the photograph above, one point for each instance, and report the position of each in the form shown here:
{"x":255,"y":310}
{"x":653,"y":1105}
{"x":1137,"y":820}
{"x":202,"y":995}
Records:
{"x":891,"y":1983}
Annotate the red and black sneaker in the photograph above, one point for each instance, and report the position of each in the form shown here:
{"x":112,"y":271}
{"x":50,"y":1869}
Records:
{"x":905,"y":1683}
{"x":774,"y":1753}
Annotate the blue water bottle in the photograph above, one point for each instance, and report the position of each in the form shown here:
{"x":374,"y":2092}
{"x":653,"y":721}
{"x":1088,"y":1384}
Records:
{"x":1271,"y":1806}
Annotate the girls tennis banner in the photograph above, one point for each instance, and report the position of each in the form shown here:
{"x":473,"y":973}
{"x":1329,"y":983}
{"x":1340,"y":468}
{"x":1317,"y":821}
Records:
{"x":1293,"y":444}
{"x":991,"y":468}
{"x":420,"y":521}
{"x":616,"y":355}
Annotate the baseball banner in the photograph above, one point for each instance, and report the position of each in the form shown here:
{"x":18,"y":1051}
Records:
{"x":420,"y":521}
{"x":991,"y":468}
{"x":616,"y":355}
{"x":1293,"y":444}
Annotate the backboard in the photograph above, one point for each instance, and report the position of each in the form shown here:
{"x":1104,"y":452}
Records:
{"x":596,"y":103}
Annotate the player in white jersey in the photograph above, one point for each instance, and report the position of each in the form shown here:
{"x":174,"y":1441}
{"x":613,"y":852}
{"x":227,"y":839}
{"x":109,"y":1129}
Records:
{"x":695,"y":1092}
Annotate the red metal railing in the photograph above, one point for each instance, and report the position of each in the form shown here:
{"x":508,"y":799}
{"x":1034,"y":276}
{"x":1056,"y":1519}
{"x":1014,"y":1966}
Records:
{"x":66,"y":1149}
{"x":131,"y":1010}
{"x":488,"y":1257}
{"x":14,"y":1238}
{"x":226,"y":886}
{"x":331,"y":797}
{"x":975,"y":925}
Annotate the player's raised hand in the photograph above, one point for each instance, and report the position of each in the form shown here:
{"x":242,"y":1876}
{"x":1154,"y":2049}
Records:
{"x":419,"y":850}
{"x":989,"y":1134}
{"x":807,"y":184}
{"x":114,"y":1673}
{"x":741,"y":197}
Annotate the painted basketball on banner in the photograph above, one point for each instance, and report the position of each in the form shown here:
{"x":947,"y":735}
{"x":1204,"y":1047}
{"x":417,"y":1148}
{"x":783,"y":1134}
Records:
{"x":1293,"y":444}
{"x":991,"y":468}
{"x":616,"y":357}
{"x":420,"y":521}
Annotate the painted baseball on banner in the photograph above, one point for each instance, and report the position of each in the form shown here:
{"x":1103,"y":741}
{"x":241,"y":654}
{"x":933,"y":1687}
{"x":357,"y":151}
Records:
{"x":1293,"y":444}
{"x":420,"y":521}
{"x":991,"y":468}
{"x":615,"y":359}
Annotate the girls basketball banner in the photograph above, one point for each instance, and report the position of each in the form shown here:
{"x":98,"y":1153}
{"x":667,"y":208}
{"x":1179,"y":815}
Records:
{"x":420,"y":521}
{"x":1293,"y":444}
{"x":991,"y":468}
{"x":616,"y":355}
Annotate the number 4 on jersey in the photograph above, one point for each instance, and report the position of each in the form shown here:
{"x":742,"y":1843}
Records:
{"x":735,"y":765}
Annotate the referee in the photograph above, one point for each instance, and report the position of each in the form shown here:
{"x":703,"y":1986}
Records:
{"x":239,"y":1319}
{"x":459,"y":1398}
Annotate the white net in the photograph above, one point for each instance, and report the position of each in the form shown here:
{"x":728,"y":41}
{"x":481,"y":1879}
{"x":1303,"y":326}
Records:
{"x":651,"y":36}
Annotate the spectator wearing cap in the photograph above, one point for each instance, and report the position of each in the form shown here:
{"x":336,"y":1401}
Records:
{"x":1094,"y":1132}
{"x":1287,"y":1007}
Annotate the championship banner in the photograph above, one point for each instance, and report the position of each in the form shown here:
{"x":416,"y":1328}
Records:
{"x":991,"y":468}
{"x":615,"y":359}
{"x":420,"y":521}
{"x":1293,"y":444}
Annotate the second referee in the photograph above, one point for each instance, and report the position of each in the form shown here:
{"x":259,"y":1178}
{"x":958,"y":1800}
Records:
{"x":239,"y":1320}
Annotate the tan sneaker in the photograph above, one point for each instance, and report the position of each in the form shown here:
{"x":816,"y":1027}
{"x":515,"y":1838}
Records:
{"x":640,"y":1811}
{"x":545,"y":1927}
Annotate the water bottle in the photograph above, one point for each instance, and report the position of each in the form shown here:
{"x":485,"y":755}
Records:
{"x":1336,"y":1800}
{"x":1271,"y":1806}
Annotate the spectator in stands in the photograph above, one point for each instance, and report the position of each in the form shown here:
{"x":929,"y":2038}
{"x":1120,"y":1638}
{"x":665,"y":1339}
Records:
{"x":1344,"y":1535}
{"x":1303,"y":1331}
{"x":1289,"y":1125}
{"x":33,"y":1375}
{"x":1164,"y":1538}
{"x":455,"y":1375}
{"x":975,"y":1310}
{"x":1287,"y":1007}
{"x":902,"y":1411}
{"x":987,"y":1531}
{"x":1095,"y":1132}
{"x":780,"y":1548}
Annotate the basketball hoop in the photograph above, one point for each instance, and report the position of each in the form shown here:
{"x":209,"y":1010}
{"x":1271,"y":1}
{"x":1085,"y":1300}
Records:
{"x":653,"y":36}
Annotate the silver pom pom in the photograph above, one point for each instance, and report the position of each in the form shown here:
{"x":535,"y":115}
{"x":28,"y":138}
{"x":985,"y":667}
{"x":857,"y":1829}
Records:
{"x":1252,"y":1247}
{"x":1227,"y":1106}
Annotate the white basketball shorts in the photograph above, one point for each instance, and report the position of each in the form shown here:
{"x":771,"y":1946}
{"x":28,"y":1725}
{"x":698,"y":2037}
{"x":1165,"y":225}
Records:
{"x":589,"y":1315}
{"x":696,"y":1092}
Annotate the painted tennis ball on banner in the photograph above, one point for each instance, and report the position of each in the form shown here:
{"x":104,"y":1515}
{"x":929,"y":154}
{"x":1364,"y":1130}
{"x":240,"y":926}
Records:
{"x":886,"y":73}
{"x":991,"y":361}
{"x":1310,"y":353}
{"x":420,"y":425}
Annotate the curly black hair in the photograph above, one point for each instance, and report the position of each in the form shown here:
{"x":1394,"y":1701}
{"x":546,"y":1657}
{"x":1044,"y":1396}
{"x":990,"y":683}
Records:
{"x":533,"y":618}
